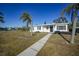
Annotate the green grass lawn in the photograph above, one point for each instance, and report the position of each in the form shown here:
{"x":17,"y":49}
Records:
{"x":57,"y":46}
{"x":14,"y":42}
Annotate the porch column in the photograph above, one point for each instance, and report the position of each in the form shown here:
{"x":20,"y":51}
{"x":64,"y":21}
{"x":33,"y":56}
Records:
{"x":66,"y":27}
{"x":55,"y":28}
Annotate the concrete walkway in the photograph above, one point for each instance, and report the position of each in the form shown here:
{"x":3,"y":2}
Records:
{"x":36,"y":47}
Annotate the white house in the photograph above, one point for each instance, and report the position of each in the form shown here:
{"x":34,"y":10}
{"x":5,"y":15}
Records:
{"x":62,"y":27}
{"x":59,"y":24}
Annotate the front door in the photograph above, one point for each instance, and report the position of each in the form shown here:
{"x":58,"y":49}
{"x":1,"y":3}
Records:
{"x":51,"y":28}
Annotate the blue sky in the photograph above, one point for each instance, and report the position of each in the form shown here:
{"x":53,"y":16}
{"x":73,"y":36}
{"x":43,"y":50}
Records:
{"x":39,"y":12}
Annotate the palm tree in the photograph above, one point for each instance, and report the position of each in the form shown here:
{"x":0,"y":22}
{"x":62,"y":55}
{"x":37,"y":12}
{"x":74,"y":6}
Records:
{"x":27,"y":18}
{"x":72,"y":10}
{"x":1,"y":17}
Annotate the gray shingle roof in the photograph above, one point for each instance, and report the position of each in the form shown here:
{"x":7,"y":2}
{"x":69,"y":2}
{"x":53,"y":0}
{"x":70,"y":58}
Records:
{"x":60,"y":20}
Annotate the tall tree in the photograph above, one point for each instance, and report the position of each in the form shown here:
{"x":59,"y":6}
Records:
{"x":1,"y":17}
{"x":72,"y":10}
{"x":27,"y":18}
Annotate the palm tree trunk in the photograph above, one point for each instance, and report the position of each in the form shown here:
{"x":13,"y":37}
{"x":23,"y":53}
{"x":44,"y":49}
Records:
{"x":0,"y":25}
{"x":31,"y":28}
{"x":73,"y":30}
{"x":27,"y":24}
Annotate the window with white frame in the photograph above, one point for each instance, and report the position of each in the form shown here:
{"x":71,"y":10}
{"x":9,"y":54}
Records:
{"x":61,"y":27}
{"x":38,"y":27}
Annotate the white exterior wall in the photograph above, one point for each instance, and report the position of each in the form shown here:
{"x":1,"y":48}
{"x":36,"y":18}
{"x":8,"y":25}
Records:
{"x":34,"y":28}
{"x":44,"y":29}
{"x":54,"y":28}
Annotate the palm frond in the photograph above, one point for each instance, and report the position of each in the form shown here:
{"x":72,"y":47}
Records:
{"x":67,"y":10}
{"x":1,"y":14}
{"x":1,"y":18}
{"x":25,"y":16}
{"x":1,"y":21}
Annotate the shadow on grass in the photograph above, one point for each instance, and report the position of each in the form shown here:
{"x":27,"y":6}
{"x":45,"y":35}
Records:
{"x":64,"y":37}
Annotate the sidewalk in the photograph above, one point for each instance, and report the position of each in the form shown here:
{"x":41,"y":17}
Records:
{"x":36,"y":47}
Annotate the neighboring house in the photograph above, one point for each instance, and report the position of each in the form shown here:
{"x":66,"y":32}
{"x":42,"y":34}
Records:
{"x":59,"y":24}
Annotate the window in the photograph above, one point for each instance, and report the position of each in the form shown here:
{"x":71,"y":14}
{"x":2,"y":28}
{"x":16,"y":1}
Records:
{"x":38,"y":27}
{"x":61,"y":27}
{"x":46,"y":27}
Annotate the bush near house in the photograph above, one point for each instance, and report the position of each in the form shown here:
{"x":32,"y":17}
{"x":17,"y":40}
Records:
{"x":3,"y":29}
